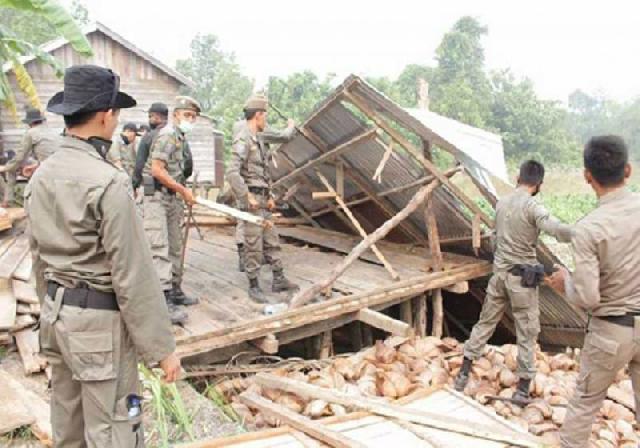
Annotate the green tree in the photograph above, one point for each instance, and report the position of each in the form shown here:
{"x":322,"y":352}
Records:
{"x":80,"y":12}
{"x":220,"y":85}
{"x":404,"y":89}
{"x":297,"y":95}
{"x":19,"y":39}
{"x":460,"y":88}
{"x":530,"y":127}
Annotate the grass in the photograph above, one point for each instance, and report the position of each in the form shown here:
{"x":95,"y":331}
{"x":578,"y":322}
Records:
{"x":212,"y":394}
{"x":168,"y":410}
{"x":23,"y":434}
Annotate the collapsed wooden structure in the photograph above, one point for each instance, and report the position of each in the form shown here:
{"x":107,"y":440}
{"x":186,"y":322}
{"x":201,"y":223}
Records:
{"x":372,"y":181}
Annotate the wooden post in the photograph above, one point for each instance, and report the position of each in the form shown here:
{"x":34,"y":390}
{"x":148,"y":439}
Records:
{"x":420,"y":322}
{"x":304,"y":297}
{"x":438,"y":313}
{"x":406,"y":312}
{"x":355,"y":332}
{"x":367,"y":336}
{"x":326,"y":345}
{"x":340,"y":178}
{"x":436,"y":263}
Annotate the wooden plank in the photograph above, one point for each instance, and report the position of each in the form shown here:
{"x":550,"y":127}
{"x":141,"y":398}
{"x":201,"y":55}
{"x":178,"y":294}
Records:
{"x":340,"y":178}
{"x":305,"y":440}
{"x":23,"y":271}
{"x":305,"y":296}
{"x":429,"y":419}
{"x":14,"y":255}
{"x":24,"y":292}
{"x":333,"y":309}
{"x":299,"y":422}
{"x":328,"y":155}
{"x":38,"y":409}
{"x":317,"y":195}
{"x":23,"y":321}
{"x":8,"y":305}
{"x":385,"y":323}
{"x":458,"y":288}
{"x":358,"y":226}
{"x":13,"y":410}
{"x":427,"y":164}
{"x":29,"y":349}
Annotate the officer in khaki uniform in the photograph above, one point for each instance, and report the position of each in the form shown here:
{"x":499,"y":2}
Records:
{"x":606,"y":285}
{"x":163,"y":210}
{"x":123,"y":150}
{"x":38,"y":142}
{"x":249,"y":177}
{"x":516,"y":275}
{"x":101,"y":300}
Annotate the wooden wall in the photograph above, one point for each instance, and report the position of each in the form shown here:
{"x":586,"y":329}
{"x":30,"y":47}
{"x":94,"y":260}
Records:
{"x":138,"y":77}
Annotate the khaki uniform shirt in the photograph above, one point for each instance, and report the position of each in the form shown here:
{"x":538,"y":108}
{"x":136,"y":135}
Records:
{"x":39,"y":141}
{"x":249,"y":164}
{"x":519,"y":220}
{"x":170,"y":146}
{"x":85,"y":230}
{"x":124,"y":154}
{"x":606,"y":246}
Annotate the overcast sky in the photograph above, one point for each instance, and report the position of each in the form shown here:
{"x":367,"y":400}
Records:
{"x":561,"y":45}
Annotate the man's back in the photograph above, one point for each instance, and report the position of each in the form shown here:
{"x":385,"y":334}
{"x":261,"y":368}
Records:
{"x":519,"y":220}
{"x":44,"y":141}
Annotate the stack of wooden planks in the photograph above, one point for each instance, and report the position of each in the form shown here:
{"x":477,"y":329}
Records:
{"x":19,"y":304}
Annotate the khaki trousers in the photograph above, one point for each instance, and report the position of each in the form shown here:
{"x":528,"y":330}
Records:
{"x":163,"y":218}
{"x":94,"y":369}
{"x":608,"y":347}
{"x":261,"y":244}
{"x":505,"y":291}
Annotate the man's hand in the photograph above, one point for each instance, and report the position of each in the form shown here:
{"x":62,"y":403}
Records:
{"x":271,"y":204}
{"x":188,"y":196}
{"x":556,"y":281}
{"x":171,"y":368}
{"x":252,"y":201}
{"x":3,"y":169}
{"x":28,"y":170}
{"x":267,"y":224}
{"x":291,"y":123}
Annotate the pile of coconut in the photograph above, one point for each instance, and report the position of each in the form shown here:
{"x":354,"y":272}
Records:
{"x":397,"y":367}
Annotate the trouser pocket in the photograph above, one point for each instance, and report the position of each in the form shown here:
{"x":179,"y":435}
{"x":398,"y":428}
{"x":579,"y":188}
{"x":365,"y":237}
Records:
{"x":92,"y":357}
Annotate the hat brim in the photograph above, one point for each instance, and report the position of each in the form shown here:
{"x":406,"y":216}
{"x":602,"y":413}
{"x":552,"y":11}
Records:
{"x":57,"y":105}
{"x":33,"y":120}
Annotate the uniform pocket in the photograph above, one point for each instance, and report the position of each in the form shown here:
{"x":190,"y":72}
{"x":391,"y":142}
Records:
{"x":602,"y":351}
{"x":154,"y":221}
{"x":92,"y":355}
{"x":519,"y":296}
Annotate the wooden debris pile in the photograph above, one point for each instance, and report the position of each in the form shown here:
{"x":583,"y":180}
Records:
{"x":19,"y":304}
{"x":398,"y":367}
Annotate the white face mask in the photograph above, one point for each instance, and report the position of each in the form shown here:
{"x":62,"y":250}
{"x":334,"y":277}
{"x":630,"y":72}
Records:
{"x":186,"y":126}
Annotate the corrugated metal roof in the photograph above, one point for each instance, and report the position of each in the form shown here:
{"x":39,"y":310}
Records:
{"x":334,"y":123}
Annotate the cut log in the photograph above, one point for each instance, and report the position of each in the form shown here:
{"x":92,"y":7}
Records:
{"x":429,"y":419}
{"x":299,"y":422}
{"x":304,"y":297}
{"x":8,"y":305}
{"x":384,"y":322}
{"x":38,"y":409}
{"x":29,"y":349}
{"x":24,"y":292}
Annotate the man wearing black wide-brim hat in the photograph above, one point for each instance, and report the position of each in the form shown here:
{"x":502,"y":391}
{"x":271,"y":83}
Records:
{"x":102,"y":304}
{"x":38,"y":142}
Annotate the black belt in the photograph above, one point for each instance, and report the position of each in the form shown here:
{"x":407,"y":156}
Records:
{"x":85,"y":297}
{"x":264,"y":191}
{"x":626,"y":320}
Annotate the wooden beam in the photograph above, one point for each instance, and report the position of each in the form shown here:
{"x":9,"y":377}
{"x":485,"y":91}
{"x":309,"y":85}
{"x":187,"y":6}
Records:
{"x":326,"y":345}
{"x":321,"y":313}
{"x":289,"y":196}
{"x":458,"y":288}
{"x":416,"y":153}
{"x":476,"y":233}
{"x":416,"y":183}
{"x":305,"y":296}
{"x":424,"y":418}
{"x":340,"y":178}
{"x":318,"y":195}
{"x":436,"y":262}
{"x":328,"y":155}
{"x":358,"y":227}
{"x":384,"y":322}
{"x":299,"y":422}
{"x":438,"y":313}
{"x":377,"y":176}
{"x":406,"y":312}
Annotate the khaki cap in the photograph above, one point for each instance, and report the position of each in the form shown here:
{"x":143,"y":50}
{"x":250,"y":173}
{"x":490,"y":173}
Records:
{"x":186,"y":102}
{"x":257,"y":102}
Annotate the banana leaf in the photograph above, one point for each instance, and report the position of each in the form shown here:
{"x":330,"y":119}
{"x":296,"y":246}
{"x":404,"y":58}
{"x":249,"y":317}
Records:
{"x":58,"y":17}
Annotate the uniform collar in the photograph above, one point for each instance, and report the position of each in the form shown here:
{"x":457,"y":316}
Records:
{"x":79,"y":144}
{"x":179,"y":133}
{"x":614,"y":195}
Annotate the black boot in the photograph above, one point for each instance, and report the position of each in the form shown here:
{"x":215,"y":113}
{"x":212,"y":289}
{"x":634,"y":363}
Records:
{"x":255,"y":292}
{"x":521,"y":395}
{"x":241,"y":258}
{"x":281,"y":284}
{"x":176,"y":315}
{"x":463,"y":376}
{"x":180,"y":298}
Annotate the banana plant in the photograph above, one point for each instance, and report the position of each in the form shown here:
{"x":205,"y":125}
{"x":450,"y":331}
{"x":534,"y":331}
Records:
{"x":13,"y":49}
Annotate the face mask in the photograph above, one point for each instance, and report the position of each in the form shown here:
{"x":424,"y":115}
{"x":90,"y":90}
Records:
{"x":153,"y":125}
{"x":186,"y":127}
{"x":125,"y":139}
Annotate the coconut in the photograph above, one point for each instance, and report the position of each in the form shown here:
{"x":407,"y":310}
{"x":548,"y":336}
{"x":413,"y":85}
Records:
{"x":558,"y":415}
{"x":316,"y":409}
{"x":507,"y":377}
{"x":532,"y":415}
{"x":384,"y":354}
